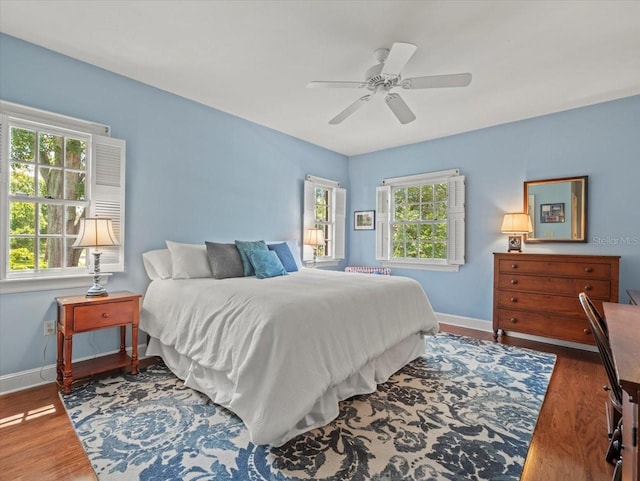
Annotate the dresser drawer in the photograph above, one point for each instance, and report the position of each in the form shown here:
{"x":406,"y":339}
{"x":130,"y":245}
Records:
{"x":568,"y":306}
{"x":555,"y":285}
{"x":538,"y":324}
{"x":585,"y":269}
{"x":97,"y":316}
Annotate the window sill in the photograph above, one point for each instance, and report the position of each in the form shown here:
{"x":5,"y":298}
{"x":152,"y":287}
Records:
{"x":321,"y":264}
{"x":14,"y":286}
{"x":421,"y":266}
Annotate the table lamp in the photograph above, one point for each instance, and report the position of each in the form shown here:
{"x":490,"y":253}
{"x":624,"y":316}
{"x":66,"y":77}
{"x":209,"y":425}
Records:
{"x":516,"y":224}
{"x":96,"y":232}
{"x":314,"y":238}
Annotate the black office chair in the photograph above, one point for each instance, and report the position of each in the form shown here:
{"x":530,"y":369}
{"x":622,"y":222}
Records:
{"x":614,"y":414}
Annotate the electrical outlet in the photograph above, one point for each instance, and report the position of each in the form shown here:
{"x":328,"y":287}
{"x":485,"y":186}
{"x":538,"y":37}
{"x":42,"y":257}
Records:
{"x":49,"y":328}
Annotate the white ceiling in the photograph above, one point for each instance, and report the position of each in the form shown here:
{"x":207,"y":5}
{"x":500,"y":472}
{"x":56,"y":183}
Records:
{"x":253,"y":59}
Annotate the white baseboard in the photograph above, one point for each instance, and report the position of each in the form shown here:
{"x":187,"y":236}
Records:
{"x":45,"y":375}
{"x":487,"y":326}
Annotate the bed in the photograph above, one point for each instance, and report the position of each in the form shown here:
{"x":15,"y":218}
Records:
{"x":281,"y":352}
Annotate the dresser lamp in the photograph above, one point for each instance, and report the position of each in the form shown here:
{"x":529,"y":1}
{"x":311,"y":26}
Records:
{"x":314,"y":238}
{"x":516,"y":224}
{"x":96,"y":232}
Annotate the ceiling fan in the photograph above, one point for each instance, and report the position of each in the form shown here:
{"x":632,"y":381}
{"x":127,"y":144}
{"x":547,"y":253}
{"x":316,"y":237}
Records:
{"x":385,"y":76}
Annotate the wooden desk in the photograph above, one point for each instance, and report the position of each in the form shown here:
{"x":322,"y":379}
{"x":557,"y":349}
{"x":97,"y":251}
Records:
{"x":623,"y":321}
{"x":634,"y":296}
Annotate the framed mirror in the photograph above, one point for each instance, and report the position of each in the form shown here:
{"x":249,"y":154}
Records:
{"x":558,"y":209}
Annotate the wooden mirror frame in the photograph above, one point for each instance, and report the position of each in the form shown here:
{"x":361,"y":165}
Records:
{"x":563,"y":212}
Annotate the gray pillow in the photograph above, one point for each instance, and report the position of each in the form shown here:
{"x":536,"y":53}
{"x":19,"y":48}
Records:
{"x":224,"y":260}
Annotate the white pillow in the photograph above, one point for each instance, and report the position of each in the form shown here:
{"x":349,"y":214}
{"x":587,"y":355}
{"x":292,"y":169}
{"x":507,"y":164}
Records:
{"x":188,"y":261}
{"x":157,"y":263}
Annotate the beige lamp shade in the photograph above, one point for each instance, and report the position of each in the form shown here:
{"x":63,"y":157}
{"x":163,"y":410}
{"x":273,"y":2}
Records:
{"x":96,"y":232}
{"x":516,"y":223}
{"x":314,"y":237}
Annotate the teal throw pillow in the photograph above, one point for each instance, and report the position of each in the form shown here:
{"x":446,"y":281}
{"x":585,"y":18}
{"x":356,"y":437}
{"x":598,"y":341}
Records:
{"x":266,"y":264}
{"x":245,"y":247}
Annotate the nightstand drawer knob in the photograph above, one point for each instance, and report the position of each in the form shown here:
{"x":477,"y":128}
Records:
{"x":514,"y":266}
{"x":514,"y":299}
{"x":513,"y":320}
{"x":514,"y":281}
{"x":588,"y":269}
{"x":106,"y":315}
{"x":587,"y":331}
{"x":587,"y":288}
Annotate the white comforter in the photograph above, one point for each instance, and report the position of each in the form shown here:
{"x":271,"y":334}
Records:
{"x":282,"y":342}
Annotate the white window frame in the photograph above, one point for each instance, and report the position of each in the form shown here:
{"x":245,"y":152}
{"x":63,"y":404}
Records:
{"x":105,"y":187}
{"x":455,"y":221}
{"x":336,"y":222}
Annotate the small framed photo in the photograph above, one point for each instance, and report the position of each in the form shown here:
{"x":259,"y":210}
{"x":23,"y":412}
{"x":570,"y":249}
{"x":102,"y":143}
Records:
{"x":552,"y":213}
{"x":364,"y":220}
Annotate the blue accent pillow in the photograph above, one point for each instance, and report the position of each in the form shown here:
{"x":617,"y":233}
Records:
{"x":266,"y":264}
{"x":283,"y":252}
{"x":245,"y":247}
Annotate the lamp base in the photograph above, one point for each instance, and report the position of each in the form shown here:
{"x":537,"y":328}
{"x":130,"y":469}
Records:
{"x":515,"y":243}
{"x":96,"y":290}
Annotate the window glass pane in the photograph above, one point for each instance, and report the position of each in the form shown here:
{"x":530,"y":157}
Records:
{"x":50,"y":253}
{"x":441,"y":210}
{"x":398,"y":249}
{"x":50,"y":183}
{"x":441,"y":192}
{"x":51,"y":219}
{"x":427,"y":212}
{"x":413,"y":212}
{"x":50,"y":149}
{"x":76,"y":154}
{"x":22,"y":179}
{"x":75,"y":257}
{"x":21,"y":254}
{"x":426,"y":232}
{"x":427,"y":193}
{"x":400,"y":213}
{"x":426,"y":250}
{"x":411,"y":232}
{"x":23,"y":218}
{"x":23,"y":144}
{"x":75,"y":185}
{"x":412,"y":249}
{"x":72,"y":220}
{"x":399,"y":196}
{"x":440,"y":231}
{"x":440,"y":250}
{"x":413,"y":195}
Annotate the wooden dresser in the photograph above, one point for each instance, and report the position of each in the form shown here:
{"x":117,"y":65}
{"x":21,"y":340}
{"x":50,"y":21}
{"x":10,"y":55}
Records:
{"x":537,"y":294}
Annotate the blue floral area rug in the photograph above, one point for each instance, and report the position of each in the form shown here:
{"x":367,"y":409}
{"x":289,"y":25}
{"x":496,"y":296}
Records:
{"x":465,"y":410}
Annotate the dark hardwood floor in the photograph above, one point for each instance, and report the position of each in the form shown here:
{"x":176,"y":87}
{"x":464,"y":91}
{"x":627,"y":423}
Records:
{"x":37,"y":442}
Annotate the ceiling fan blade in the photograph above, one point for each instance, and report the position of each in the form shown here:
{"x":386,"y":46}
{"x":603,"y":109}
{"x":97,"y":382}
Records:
{"x":336,"y":85}
{"x":400,"y":108}
{"x":398,"y":57}
{"x":437,"y":81}
{"x":350,"y":109}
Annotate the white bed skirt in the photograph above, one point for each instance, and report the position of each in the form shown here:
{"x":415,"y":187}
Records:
{"x":220,"y":390}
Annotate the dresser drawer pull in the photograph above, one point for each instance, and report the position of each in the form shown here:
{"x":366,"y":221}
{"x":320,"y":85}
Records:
{"x":587,"y":331}
{"x":514,"y":281}
{"x":514,"y":299}
{"x":106,"y":315}
{"x":514,"y":266}
{"x":513,"y":320}
{"x":588,"y":269}
{"x":587,"y":288}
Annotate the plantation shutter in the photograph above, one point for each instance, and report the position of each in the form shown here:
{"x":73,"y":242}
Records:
{"x":340,"y":208}
{"x":455,"y":239}
{"x":383,"y":219}
{"x":4,"y":186}
{"x":108,"y":189}
{"x":309,"y":217}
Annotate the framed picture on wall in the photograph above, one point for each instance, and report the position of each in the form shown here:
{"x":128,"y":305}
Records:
{"x":364,"y":220}
{"x":552,"y":213}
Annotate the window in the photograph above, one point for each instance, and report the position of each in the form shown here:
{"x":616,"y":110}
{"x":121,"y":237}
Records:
{"x":420,"y":221}
{"x":55,"y":170}
{"x":324,"y":209}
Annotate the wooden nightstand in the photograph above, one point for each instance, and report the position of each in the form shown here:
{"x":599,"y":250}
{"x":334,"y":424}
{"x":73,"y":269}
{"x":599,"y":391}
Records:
{"x":83,"y":314}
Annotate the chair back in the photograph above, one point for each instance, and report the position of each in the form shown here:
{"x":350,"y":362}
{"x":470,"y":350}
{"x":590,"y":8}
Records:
{"x":600,"y":333}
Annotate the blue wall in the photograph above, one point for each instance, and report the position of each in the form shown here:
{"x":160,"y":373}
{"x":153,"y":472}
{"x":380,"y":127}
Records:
{"x":193,"y":174}
{"x":601,"y":141}
{"x":235,"y":179}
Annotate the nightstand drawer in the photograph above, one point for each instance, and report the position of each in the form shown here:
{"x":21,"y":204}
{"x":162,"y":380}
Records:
{"x":98,"y":316}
